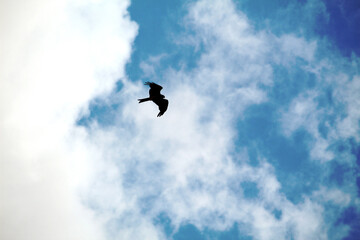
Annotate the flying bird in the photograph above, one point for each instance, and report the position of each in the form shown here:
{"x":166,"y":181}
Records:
{"x":156,"y":97}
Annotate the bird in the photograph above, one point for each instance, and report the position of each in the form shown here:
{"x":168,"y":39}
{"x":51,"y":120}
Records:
{"x":156,"y":97}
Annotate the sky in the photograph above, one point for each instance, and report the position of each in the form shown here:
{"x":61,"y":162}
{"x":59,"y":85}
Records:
{"x":261,"y":139}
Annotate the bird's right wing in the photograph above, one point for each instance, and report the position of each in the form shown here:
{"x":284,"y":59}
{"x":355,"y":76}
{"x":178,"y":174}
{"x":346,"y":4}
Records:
{"x":163,"y":105}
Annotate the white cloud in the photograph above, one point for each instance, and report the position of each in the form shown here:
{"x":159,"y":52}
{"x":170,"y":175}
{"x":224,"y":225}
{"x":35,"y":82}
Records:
{"x":308,"y":221}
{"x":56,"y":57}
{"x":348,"y":93}
{"x":303,"y":113}
{"x":334,"y":195}
{"x":292,"y":47}
{"x":149,"y":67}
{"x":300,"y":113}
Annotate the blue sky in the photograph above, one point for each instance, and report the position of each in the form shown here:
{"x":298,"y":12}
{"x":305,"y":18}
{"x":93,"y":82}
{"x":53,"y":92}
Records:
{"x":293,"y":129}
{"x":261,"y":139}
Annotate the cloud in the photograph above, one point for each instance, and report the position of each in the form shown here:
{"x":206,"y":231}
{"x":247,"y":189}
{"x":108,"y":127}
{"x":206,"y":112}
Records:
{"x":303,"y":113}
{"x":292,"y":47}
{"x":347,"y":94}
{"x":334,"y":195}
{"x":331,"y":105}
{"x":55,"y":58}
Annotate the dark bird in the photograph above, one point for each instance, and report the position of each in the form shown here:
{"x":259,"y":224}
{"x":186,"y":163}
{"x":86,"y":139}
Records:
{"x":156,"y":97}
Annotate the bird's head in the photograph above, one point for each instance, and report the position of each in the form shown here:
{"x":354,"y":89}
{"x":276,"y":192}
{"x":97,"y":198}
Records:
{"x":162,"y":96}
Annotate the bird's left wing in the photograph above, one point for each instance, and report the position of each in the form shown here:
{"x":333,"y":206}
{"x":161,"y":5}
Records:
{"x":153,"y":85}
{"x":154,"y":88}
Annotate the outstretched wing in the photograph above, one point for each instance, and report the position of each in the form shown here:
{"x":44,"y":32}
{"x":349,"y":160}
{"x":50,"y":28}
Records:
{"x":154,"y":89}
{"x":163,"y":105}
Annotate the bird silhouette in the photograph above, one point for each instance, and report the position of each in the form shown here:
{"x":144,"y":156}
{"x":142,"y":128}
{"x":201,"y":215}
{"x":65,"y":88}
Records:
{"x":156,"y":97}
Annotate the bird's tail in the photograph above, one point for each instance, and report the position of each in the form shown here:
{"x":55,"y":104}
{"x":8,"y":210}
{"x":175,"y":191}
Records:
{"x":143,"y":100}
